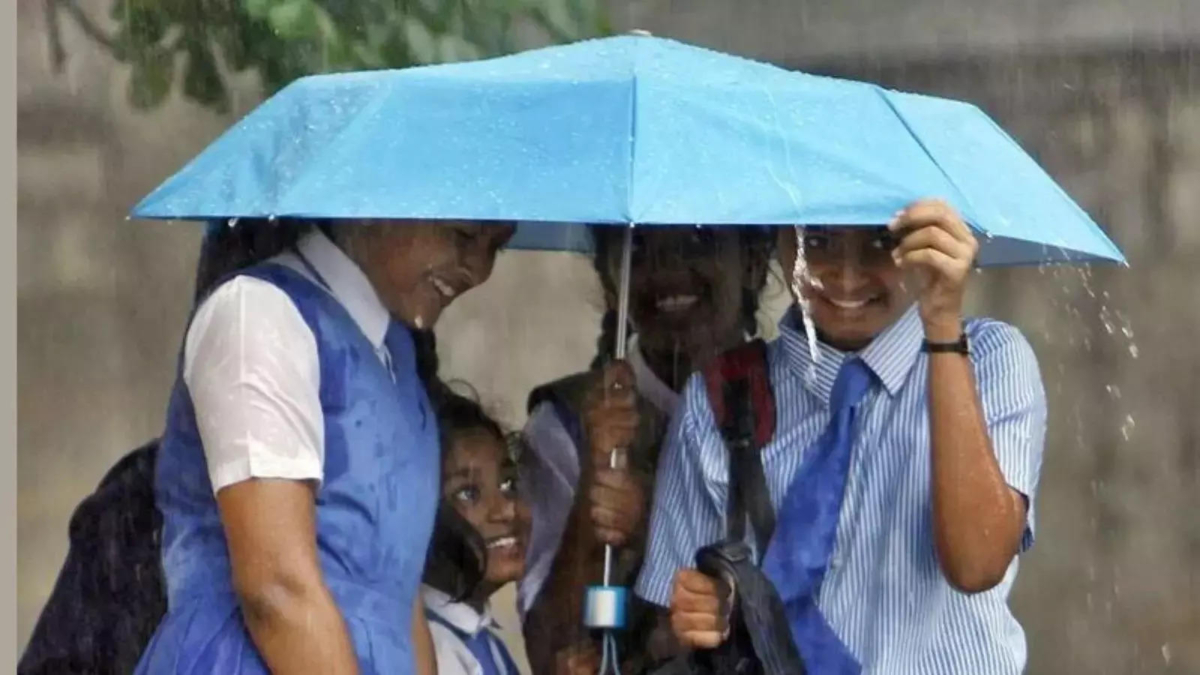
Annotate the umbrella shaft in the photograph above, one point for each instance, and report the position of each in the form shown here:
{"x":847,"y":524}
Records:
{"x":622,"y":338}
{"x":608,"y":556}
{"x":623,"y":296}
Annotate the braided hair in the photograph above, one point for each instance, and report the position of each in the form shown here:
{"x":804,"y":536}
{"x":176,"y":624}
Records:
{"x":756,"y":245}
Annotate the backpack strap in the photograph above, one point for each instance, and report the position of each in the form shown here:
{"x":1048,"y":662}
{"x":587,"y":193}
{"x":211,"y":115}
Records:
{"x":739,"y":392}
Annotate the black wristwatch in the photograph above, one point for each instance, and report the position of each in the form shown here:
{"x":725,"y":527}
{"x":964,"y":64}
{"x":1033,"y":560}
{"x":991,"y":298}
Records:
{"x":959,"y":346}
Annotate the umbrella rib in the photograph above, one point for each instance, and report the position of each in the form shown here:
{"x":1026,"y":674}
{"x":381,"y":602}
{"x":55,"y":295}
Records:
{"x":373,"y":105}
{"x":962,"y":195}
{"x":1086,"y":217}
{"x":925,"y":149}
{"x":633,"y":97}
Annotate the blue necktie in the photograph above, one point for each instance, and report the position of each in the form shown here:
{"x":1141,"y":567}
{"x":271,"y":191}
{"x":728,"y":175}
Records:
{"x":798,"y":555}
{"x":481,"y":647}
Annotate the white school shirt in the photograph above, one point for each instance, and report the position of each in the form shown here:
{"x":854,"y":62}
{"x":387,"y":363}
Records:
{"x":553,"y":475}
{"x":453,"y":657}
{"x":252,"y":370}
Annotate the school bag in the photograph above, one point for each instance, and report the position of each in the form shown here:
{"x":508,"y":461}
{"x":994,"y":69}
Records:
{"x":110,"y":594}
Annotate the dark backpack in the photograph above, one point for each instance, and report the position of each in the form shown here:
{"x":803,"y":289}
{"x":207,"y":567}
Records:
{"x":760,"y":640}
{"x":110,"y":594}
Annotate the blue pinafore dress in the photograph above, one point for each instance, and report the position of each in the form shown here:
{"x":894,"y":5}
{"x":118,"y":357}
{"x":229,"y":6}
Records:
{"x":374,"y":508}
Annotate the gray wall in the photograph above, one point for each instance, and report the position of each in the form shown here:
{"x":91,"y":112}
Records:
{"x":782,"y":30}
{"x":1104,"y":93}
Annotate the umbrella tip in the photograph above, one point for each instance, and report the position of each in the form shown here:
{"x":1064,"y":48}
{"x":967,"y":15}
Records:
{"x":640,"y":33}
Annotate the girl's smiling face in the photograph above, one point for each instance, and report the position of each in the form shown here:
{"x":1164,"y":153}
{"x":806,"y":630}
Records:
{"x":856,"y":290}
{"x":688,"y":284}
{"x":419,"y":267}
{"x":480,"y":483}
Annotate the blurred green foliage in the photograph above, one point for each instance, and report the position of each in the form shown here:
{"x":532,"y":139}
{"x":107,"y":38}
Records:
{"x":286,"y":39}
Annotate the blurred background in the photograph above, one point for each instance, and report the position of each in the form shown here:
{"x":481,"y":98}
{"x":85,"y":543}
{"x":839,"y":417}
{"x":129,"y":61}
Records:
{"x":114,"y":95}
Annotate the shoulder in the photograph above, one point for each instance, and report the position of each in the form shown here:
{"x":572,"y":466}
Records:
{"x":1004,"y":360}
{"x":245,"y":297}
{"x":275,"y":282}
{"x":569,"y":390}
{"x":991,"y":338}
{"x":246,"y":314}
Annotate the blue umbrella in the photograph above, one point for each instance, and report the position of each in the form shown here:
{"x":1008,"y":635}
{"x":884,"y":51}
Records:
{"x":629,"y":129}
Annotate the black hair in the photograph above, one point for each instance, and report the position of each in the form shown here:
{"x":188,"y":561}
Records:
{"x":457,"y":557}
{"x":241,"y":243}
{"x":757,"y":244}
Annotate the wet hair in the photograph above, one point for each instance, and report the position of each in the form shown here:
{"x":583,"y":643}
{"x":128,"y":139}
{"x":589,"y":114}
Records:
{"x":229,"y":248}
{"x":456,"y":561}
{"x":757,"y":244}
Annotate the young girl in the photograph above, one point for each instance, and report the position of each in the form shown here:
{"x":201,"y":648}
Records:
{"x":478,"y":542}
{"x":694,"y":294}
{"x":297,"y":474}
{"x":902,"y":471}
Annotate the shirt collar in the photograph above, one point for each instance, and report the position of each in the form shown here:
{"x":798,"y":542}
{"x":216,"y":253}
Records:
{"x":890,"y":355}
{"x":657,"y":392}
{"x":348,"y":284}
{"x":458,"y":614}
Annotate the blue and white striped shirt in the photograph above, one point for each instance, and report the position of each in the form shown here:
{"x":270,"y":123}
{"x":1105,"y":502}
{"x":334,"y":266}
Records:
{"x":884,"y":593}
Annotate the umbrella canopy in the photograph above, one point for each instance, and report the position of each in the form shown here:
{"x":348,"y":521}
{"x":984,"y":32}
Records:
{"x":629,"y":129}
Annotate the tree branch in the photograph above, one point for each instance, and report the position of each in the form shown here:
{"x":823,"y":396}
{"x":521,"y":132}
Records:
{"x":94,"y":32}
{"x":58,"y":56}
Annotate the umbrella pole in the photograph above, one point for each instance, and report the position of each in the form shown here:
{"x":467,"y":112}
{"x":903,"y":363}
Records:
{"x":623,"y":297}
{"x":622,"y":339}
{"x":605,"y":605}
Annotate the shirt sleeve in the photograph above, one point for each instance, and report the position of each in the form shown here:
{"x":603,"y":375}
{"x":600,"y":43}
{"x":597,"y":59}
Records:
{"x":253,"y":373}
{"x":1014,"y":409}
{"x":550,"y":472}
{"x":684,"y":516}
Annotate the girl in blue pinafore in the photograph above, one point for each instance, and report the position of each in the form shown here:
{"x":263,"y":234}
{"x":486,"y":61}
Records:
{"x":298,"y":471}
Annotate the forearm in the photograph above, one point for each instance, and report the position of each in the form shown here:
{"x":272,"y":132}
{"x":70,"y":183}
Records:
{"x":298,"y":628}
{"x":977,"y":517}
